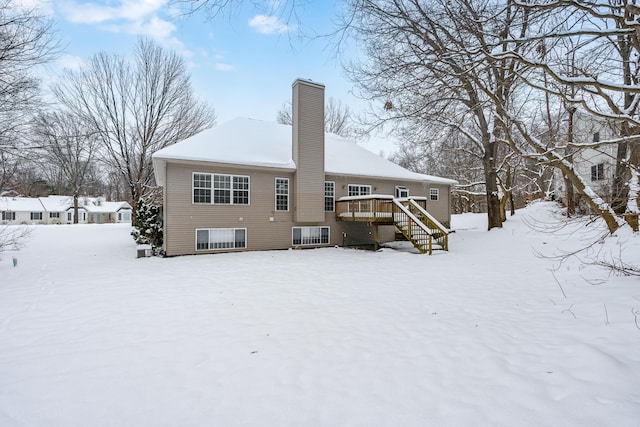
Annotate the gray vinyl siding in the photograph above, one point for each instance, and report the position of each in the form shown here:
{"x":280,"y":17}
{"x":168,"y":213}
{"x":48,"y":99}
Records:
{"x":308,"y":150}
{"x":440,"y":209}
{"x":267,"y":228}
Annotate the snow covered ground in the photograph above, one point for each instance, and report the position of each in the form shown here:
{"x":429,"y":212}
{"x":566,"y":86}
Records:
{"x":479,"y":336}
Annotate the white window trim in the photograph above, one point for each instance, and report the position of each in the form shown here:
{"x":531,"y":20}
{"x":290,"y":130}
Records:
{"x":308,"y":228}
{"x":333,"y":196}
{"x":360,"y":186}
{"x":437,"y":194}
{"x":400,"y":189}
{"x":193,"y":188}
{"x":276,"y":194}
{"x":209,"y":240}
{"x":212,"y":189}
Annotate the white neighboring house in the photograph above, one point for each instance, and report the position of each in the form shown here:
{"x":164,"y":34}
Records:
{"x":596,"y":165}
{"x":59,"y":210}
{"x":100,"y":212}
{"x":22,"y":210}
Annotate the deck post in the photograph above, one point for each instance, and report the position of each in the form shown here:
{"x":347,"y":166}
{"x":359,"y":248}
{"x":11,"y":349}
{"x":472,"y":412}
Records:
{"x":375,"y":237}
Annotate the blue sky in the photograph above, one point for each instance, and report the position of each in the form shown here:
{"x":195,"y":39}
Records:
{"x":242,"y":63}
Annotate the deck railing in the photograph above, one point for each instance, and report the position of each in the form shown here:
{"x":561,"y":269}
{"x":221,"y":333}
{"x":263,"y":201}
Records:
{"x":412,"y":228}
{"x":365,"y":209}
{"x":439,"y":232}
{"x":409,"y":216}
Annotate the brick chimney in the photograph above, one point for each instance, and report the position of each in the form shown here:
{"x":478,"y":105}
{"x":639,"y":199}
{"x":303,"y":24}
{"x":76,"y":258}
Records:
{"x":308,"y":150}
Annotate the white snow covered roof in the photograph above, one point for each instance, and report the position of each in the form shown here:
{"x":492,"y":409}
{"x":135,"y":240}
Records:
{"x":252,"y":142}
{"x":56,"y":203}
{"x":21,"y":204}
{"x":59,"y":204}
{"x":106,"y":207}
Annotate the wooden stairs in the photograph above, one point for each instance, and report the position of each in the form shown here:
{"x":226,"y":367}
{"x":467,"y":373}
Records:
{"x":410,"y":219}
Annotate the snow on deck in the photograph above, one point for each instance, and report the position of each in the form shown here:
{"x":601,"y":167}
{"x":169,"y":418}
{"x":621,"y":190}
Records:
{"x":479,"y":336}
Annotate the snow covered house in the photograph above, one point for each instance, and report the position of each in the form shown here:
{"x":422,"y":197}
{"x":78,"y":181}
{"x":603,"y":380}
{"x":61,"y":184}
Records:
{"x":59,"y":210}
{"x":253,"y":185}
{"x":100,"y":212}
{"x":22,"y":210}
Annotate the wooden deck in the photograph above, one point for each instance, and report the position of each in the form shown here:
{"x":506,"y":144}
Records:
{"x":408,"y":215}
{"x":376,"y":209}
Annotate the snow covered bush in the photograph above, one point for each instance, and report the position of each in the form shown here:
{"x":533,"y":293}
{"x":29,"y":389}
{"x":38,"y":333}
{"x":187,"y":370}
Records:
{"x":148,"y":226}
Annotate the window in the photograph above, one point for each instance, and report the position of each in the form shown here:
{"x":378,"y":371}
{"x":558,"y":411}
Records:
{"x":597,"y":172}
{"x":434,"y":194}
{"x":402,"y":192}
{"x":8,"y":216}
{"x":596,"y":137}
{"x":124,"y":216}
{"x":310,"y":235}
{"x":36,"y":216}
{"x":329,"y":196}
{"x":54,"y":214}
{"x":220,"y":189}
{"x":221,"y":238}
{"x":359,"y":190}
{"x":282,"y":194}
{"x":240,"y":190}
{"x":69,"y":216}
{"x":201,"y":188}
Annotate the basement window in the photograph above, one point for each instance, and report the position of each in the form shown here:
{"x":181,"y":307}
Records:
{"x":221,"y":238}
{"x":302,"y":236}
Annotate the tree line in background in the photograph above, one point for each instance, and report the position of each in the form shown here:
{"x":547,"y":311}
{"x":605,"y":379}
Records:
{"x":104,"y":121}
{"x":494,"y":85}
{"x":487,"y":91}
{"x":483,"y":91}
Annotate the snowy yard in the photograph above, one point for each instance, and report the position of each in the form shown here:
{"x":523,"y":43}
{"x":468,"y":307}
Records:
{"x":479,"y":336}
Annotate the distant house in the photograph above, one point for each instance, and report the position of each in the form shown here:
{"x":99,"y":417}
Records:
{"x":59,"y":210}
{"x":253,"y":185}
{"x":596,"y":166}
{"x":22,"y":210}
{"x":102,"y":212}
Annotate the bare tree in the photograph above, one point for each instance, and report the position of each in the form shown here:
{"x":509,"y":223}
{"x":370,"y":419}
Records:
{"x":602,"y":43}
{"x":13,"y":237}
{"x":70,"y":148}
{"x":135,"y":107}
{"x":424,"y":66}
{"x":27,"y":39}
{"x":338,"y":118}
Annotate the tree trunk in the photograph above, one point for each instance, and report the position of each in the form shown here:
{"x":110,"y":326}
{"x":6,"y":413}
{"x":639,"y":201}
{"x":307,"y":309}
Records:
{"x":491,"y":182}
{"x":75,"y":208}
{"x":510,"y":192}
{"x":619,"y":189}
{"x":568,"y":185}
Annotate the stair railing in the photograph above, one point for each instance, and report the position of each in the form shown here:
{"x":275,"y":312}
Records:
{"x":412,"y":228}
{"x":437,"y":230}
